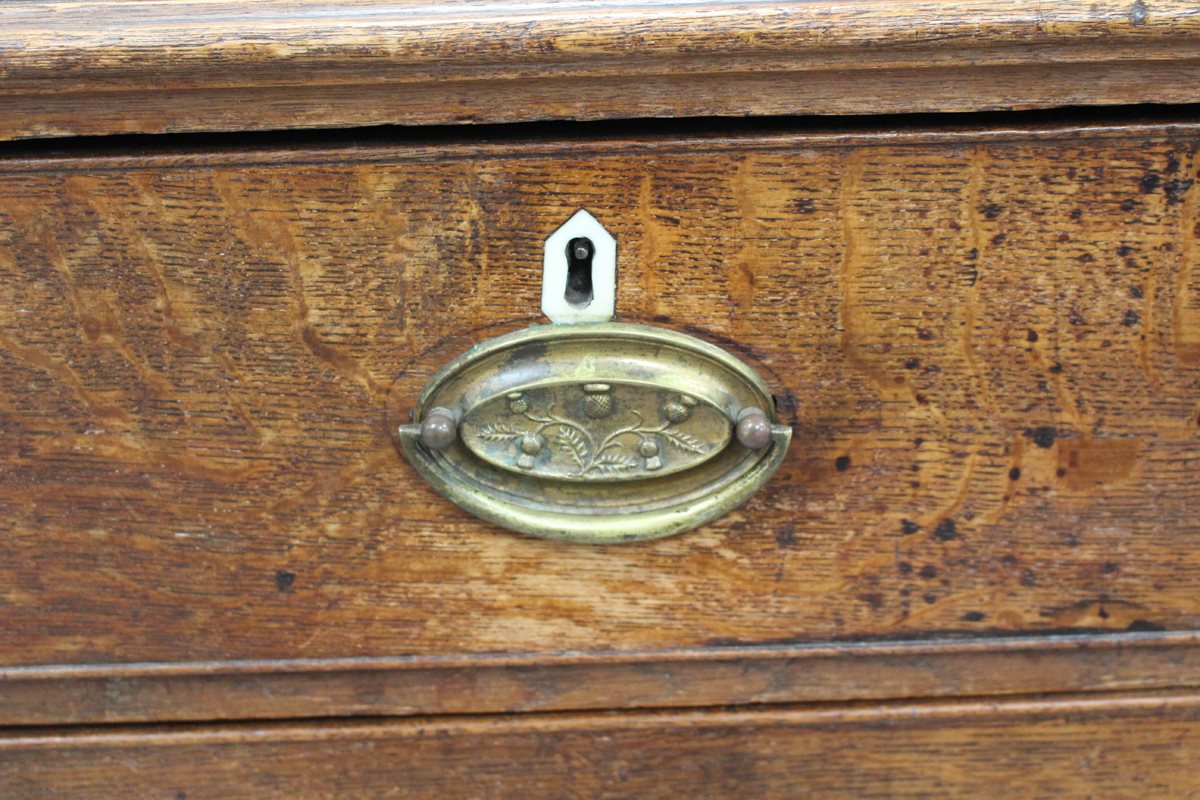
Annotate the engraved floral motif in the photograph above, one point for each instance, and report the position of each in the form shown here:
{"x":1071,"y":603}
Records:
{"x":586,"y":444}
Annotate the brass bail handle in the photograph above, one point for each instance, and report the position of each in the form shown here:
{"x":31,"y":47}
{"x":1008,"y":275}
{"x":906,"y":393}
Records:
{"x":596,"y":432}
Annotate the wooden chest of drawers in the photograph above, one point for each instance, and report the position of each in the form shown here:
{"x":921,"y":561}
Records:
{"x":974,"y":574}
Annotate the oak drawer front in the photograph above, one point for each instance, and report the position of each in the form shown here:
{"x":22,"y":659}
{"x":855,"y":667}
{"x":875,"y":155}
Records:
{"x":987,"y":343}
{"x":1117,"y":746}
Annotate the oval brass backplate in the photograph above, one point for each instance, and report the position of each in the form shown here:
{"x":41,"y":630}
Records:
{"x":606,"y":432}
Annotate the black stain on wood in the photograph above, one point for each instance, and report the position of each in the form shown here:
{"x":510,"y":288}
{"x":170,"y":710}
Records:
{"x":974,"y":616}
{"x":1042,"y":436}
{"x":842,"y":463}
{"x":785,"y":536}
{"x":1175,"y":190}
{"x":908,"y":527}
{"x":874,"y":600}
{"x":1142,"y":626}
{"x":1014,"y":474}
{"x":1131,"y":318}
{"x":284,"y":580}
{"x":945,"y":530}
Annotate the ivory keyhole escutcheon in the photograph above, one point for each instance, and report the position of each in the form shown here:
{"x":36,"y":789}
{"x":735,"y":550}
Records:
{"x":579,"y":272}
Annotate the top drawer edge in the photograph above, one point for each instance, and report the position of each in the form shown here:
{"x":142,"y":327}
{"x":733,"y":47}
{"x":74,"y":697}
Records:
{"x":91,"y":68}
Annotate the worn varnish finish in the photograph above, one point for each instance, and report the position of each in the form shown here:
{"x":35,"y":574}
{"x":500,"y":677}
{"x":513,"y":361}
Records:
{"x":99,"y":66}
{"x":1120,"y":746}
{"x":988,"y":345}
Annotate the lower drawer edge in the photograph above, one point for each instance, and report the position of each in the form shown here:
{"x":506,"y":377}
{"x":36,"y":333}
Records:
{"x":1111,"y":745}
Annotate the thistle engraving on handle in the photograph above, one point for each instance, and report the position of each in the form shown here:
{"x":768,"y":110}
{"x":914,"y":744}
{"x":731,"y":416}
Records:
{"x":604,"y":440}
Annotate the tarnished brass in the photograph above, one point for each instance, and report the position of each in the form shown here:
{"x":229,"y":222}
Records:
{"x":606,"y":432}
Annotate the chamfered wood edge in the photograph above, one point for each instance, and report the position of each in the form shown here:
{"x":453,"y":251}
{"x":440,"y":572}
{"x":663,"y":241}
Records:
{"x":956,"y":89}
{"x":65,"y":46}
{"x":106,"y":67}
{"x":587,"y":681}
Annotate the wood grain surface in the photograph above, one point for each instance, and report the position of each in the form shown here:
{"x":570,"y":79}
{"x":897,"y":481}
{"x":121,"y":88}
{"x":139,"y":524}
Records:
{"x":1132,"y":746}
{"x":126,"y":66}
{"x":988,"y":345}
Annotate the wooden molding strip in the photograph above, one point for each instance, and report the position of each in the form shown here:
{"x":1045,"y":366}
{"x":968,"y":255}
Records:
{"x":74,"y":68}
{"x":582,"y":681}
{"x":1119,"y":745}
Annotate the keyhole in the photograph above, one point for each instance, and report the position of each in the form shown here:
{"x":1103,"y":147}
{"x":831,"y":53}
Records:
{"x":579,"y":273}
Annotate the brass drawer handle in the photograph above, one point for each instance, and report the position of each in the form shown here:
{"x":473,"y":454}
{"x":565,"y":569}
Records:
{"x":606,"y":432}
{"x":753,"y":429}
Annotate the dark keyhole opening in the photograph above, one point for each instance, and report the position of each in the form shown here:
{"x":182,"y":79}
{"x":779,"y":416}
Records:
{"x":579,"y":272}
